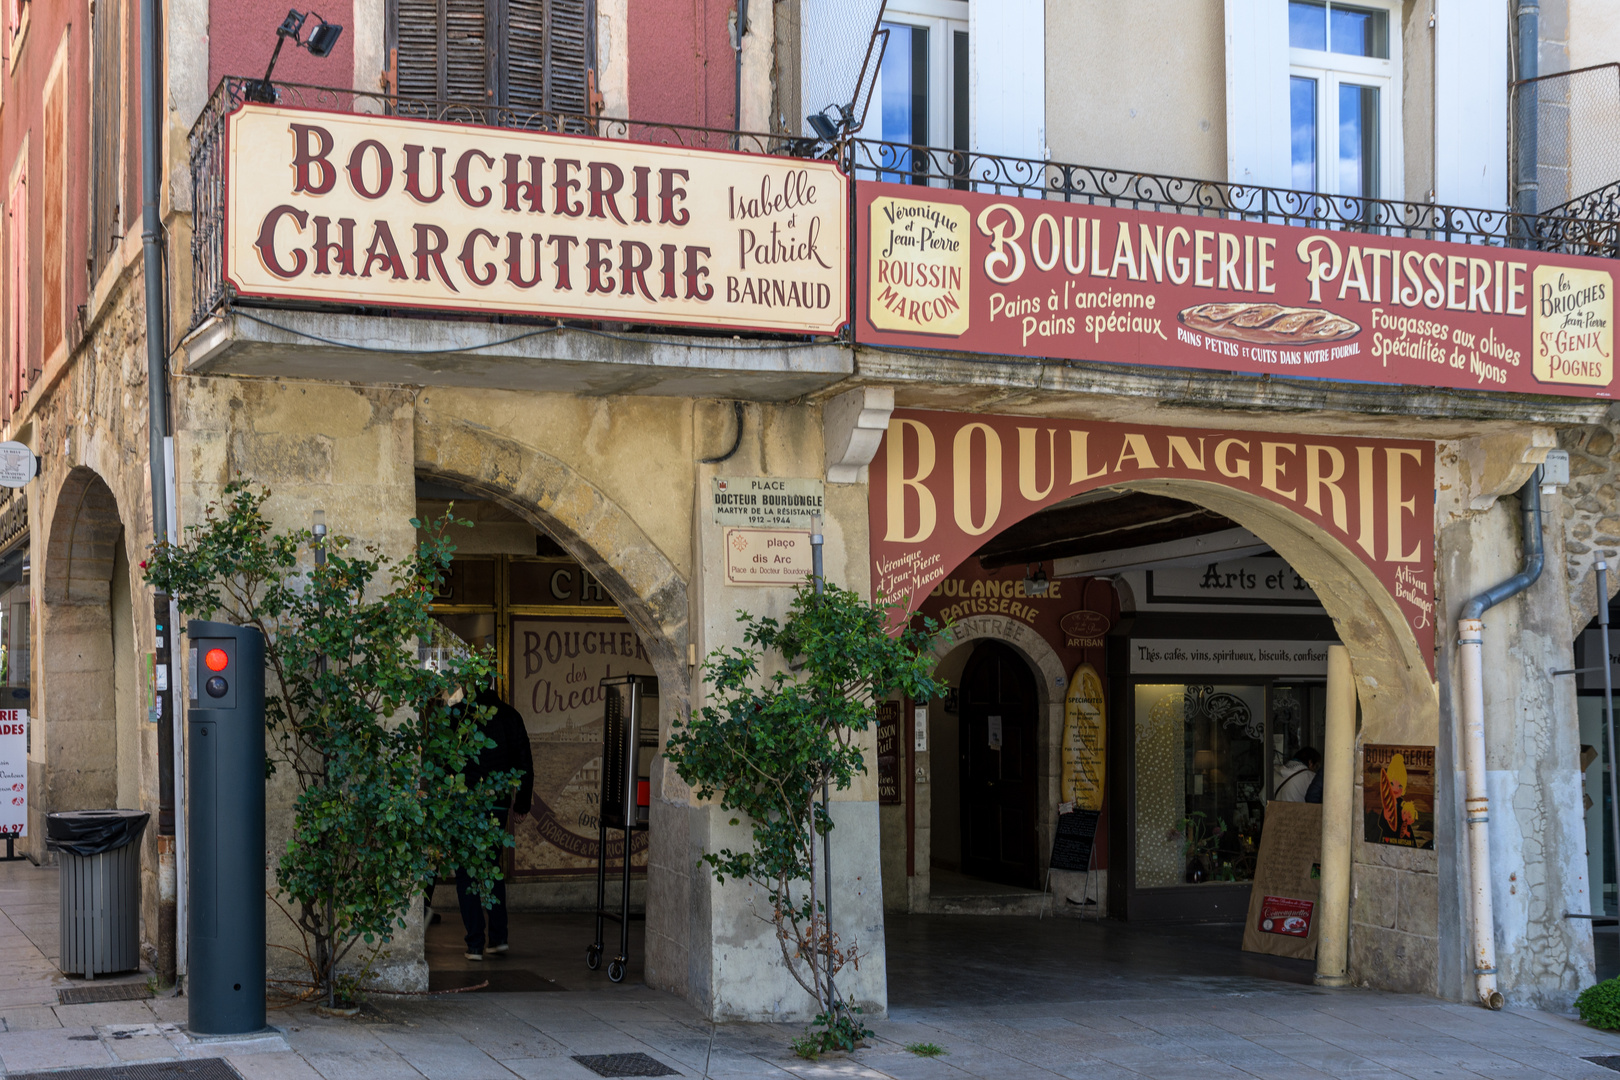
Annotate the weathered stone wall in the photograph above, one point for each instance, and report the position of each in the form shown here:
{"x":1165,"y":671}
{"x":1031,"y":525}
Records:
{"x":1537,"y":830}
{"x":93,"y":745}
{"x":315,"y":446}
{"x":1589,"y":514}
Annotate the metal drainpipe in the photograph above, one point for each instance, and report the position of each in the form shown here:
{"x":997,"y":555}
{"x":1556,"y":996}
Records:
{"x":1470,"y":642}
{"x":1525,"y":195}
{"x":157,"y":424}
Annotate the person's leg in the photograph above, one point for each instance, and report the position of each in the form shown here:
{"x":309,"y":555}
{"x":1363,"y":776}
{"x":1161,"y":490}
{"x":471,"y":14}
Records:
{"x":472,"y":912}
{"x":497,"y":916}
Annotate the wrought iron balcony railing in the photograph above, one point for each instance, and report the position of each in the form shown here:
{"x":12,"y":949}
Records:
{"x":1586,"y":226}
{"x":1578,"y":231}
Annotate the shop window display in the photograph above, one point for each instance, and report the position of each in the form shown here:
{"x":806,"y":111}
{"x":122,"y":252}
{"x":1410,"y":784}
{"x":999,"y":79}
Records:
{"x":1201,"y":777}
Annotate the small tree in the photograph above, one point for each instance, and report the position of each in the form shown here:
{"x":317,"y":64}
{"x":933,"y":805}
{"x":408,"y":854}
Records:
{"x":769,"y":744}
{"x":366,"y":731}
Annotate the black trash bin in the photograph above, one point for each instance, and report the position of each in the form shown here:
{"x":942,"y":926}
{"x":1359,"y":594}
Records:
{"x":101,"y":888}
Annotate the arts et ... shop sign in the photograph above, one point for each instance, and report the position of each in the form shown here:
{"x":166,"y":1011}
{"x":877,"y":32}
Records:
{"x":942,"y":484}
{"x":343,"y":208}
{"x":988,"y":273}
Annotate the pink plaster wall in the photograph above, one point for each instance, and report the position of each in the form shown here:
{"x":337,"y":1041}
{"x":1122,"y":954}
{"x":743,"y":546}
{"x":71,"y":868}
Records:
{"x":682,"y":67}
{"x":242,"y":33}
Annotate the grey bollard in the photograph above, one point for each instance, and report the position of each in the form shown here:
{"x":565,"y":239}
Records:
{"x":225,"y":829}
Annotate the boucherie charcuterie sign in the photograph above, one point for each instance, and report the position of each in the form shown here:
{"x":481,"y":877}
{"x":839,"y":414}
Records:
{"x":1029,"y":277}
{"x":380,"y":210}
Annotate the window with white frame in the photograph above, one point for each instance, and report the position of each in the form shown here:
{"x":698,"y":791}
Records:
{"x":1344,"y":97}
{"x":921,"y":96}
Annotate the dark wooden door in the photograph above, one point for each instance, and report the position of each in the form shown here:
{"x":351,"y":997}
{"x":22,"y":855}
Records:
{"x":999,"y":706}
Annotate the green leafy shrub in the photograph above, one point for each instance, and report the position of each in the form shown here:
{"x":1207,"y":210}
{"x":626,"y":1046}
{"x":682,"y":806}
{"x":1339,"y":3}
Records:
{"x":375,"y":754}
{"x":1600,"y":1005}
{"x":770,"y":745}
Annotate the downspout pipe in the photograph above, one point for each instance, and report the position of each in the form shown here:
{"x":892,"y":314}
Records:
{"x":1526,"y":196}
{"x":1470,"y":644}
{"x":157,"y":425}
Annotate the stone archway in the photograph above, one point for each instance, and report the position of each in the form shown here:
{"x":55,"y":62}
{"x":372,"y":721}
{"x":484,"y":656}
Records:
{"x":1399,"y":698}
{"x":607,"y":541}
{"x":952,"y":652}
{"x":592,"y":528}
{"x":86,"y":728}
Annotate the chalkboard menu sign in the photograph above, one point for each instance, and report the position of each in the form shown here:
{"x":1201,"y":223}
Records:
{"x":1076,"y":837}
{"x":888,"y":752}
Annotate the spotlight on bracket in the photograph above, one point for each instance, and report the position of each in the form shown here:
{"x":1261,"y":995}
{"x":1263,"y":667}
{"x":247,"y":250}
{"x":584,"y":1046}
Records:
{"x":320,"y":43}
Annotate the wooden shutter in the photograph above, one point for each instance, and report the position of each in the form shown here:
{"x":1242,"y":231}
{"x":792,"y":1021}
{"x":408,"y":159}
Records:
{"x":418,"y":34}
{"x":106,"y":118}
{"x":568,"y":34}
{"x":466,"y":63}
{"x":53,"y":231}
{"x":17,"y":265}
{"x":525,"y":55}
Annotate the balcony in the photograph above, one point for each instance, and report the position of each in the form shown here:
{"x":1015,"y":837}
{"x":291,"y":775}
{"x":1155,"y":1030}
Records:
{"x":242,"y":335}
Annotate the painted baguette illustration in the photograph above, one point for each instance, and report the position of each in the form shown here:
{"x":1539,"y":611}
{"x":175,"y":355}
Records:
{"x":1269,"y":324}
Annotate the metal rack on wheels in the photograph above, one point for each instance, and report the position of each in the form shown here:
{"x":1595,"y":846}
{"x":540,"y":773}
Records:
{"x":629,"y":742}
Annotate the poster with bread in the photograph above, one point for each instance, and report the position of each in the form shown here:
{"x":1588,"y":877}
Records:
{"x":1003,"y":274}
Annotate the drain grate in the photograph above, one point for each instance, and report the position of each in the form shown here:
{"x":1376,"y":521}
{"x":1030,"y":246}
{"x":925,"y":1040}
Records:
{"x":200,"y":1069}
{"x":92,"y":994}
{"x":624,"y":1065}
{"x":1609,"y":1062}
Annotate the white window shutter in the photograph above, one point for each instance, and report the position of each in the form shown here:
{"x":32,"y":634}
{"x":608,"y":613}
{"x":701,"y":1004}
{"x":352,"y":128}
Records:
{"x":1007,"y":46}
{"x":1257,"y":93}
{"x":1471,"y":103}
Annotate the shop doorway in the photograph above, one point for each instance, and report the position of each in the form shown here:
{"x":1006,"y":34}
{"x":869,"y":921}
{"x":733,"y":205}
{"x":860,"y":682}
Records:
{"x":1595,"y":767}
{"x":555,"y":632}
{"x":997,"y":767}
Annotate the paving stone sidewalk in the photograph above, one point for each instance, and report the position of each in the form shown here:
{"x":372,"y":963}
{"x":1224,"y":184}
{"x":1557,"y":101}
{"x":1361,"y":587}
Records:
{"x":1287,"y":1034}
{"x":1209,"y":1027}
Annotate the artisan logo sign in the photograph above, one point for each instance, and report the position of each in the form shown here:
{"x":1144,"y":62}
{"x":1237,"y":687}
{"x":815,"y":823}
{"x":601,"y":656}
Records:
{"x":378,"y":210}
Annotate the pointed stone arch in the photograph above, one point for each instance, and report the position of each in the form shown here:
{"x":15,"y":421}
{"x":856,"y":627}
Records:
{"x":78,"y":696}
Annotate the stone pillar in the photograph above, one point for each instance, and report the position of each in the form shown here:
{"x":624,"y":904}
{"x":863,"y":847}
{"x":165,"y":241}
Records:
{"x":734,"y":960}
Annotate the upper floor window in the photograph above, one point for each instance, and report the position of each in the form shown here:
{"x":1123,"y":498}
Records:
{"x":526,"y":55}
{"x":922,"y":87}
{"x":1344,"y":98}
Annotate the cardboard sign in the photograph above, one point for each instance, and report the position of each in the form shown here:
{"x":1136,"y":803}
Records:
{"x":1075,"y":841}
{"x":943,"y":483}
{"x":1398,"y":795}
{"x":1287,"y":882}
{"x":405,"y":212}
{"x":557,"y":668}
{"x":14,"y":772}
{"x":1085,"y":740}
{"x":989,"y":273}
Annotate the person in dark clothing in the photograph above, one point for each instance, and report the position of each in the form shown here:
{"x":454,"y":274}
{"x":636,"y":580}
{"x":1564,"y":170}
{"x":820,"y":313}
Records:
{"x":511,"y":751}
